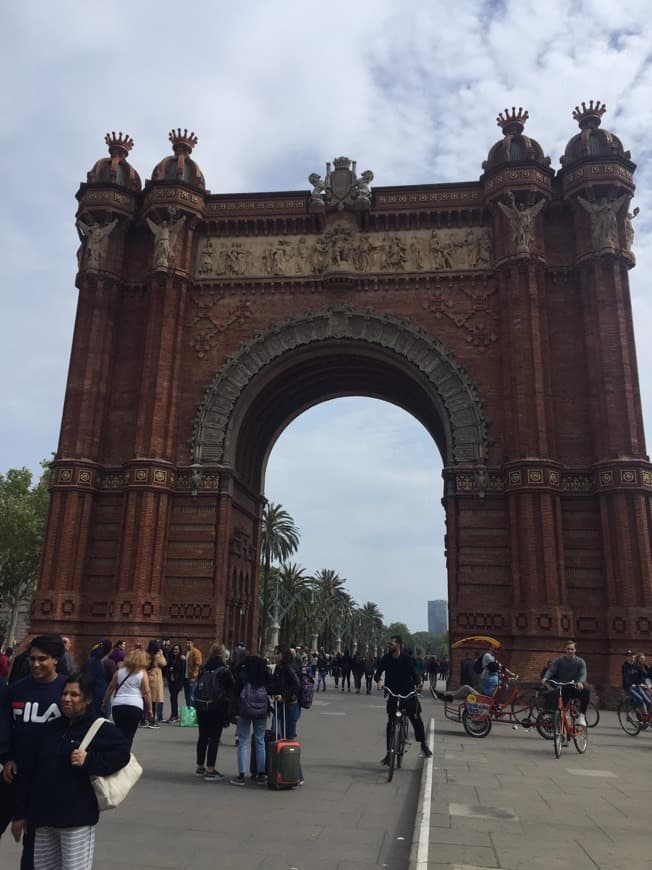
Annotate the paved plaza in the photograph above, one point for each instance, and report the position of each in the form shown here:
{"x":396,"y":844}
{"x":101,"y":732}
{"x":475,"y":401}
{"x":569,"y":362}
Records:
{"x":499,"y":802}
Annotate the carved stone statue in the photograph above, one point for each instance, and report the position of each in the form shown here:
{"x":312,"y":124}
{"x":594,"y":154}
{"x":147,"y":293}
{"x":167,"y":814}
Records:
{"x":235,"y":259}
{"x":395,"y":253}
{"x":440,"y":252}
{"x":521,"y":219}
{"x":165,"y":235}
{"x":604,"y":220}
{"x":275,"y":258}
{"x":629,"y":228}
{"x":95,"y":237}
{"x":319,"y":188}
{"x":207,"y":258}
{"x":362,"y":189}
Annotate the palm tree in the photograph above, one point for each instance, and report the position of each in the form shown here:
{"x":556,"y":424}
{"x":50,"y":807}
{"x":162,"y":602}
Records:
{"x":294,"y":599}
{"x":279,"y":540}
{"x":371,"y":622}
{"x":332,"y":600}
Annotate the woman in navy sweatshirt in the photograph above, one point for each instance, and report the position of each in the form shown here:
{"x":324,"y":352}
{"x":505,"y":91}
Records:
{"x":54,"y":792}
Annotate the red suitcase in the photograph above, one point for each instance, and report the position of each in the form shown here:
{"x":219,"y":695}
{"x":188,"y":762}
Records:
{"x":283,"y":760}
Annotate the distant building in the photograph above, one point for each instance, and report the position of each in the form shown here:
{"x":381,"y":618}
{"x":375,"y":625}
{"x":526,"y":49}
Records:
{"x":437,"y":616}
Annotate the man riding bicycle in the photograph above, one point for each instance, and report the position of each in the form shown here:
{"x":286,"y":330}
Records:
{"x":401,"y":678}
{"x":570,"y":668}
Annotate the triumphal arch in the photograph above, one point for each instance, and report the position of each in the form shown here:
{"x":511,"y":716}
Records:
{"x":495,"y":311}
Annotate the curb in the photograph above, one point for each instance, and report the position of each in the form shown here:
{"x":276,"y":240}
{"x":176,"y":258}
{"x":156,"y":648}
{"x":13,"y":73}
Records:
{"x":421,"y":836}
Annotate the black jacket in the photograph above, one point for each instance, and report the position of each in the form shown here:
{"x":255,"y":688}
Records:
{"x":285,"y":682}
{"x":400,"y":673}
{"x":50,"y":791}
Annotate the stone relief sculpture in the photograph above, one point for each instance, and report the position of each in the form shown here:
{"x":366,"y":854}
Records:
{"x":165,"y":235}
{"x":521,"y":220}
{"x":604,"y":220}
{"x":345,"y":249}
{"x":95,"y":237}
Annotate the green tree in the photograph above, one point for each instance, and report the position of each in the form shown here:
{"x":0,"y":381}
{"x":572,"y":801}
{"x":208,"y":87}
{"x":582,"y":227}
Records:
{"x":280,"y":539}
{"x":23,"y":512}
{"x":431,"y":644}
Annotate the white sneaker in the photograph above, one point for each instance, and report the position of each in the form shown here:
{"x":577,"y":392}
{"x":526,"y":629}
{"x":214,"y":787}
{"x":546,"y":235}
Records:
{"x":580,"y":720}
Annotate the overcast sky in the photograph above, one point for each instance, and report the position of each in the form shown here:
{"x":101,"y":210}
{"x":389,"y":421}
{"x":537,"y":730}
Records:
{"x":274,"y":90}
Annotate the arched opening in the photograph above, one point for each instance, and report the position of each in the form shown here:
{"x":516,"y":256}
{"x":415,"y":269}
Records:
{"x":362,"y":480}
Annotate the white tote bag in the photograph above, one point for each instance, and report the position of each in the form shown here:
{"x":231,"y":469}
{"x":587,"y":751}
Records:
{"x":111,"y":790}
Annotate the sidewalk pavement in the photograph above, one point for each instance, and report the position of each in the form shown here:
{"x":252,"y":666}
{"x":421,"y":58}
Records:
{"x":505,"y":801}
{"x":346,"y":816}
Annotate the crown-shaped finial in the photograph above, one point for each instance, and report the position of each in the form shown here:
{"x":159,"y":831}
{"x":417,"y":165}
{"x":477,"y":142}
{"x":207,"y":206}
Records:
{"x":589,"y":116}
{"x":512,"y":123}
{"x":182,"y":140}
{"x":342,"y":162}
{"x":119,"y":145}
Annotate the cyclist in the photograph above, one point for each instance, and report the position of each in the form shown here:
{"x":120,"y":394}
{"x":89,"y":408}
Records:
{"x":634,"y":675}
{"x":401,"y":677}
{"x":567,"y":668}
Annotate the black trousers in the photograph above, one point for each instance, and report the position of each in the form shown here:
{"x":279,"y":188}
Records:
{"x":210,"y":724}
{"x":411,"y":708}
{"x":127,"y":718}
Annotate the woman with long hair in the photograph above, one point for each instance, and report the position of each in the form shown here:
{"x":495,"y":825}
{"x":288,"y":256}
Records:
{"x":251,"y":694}
{"x":131,"y":693}
{"x":54,"y":792}
{"x":155,"y":673}
{"x":212,"y":713}
{"x":286,"y":689}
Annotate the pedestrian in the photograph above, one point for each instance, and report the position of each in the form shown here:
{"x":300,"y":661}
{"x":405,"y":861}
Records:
{"x":322,"y":670}
{"x":34,"y":701}
{"x":345,"y":664}
{"x":286,"y":689}
{"x":357,"y":668}
{"x":97,"y":670}
{"x":55,"y":797}
{"x":174,"y":675}
{"x":252,"y":698}
{"x":130,"y":692}
{"x":155,"y":668}
{"x":369,"y":671}
{"x":213,"y":711}
{"x":193,"y":663}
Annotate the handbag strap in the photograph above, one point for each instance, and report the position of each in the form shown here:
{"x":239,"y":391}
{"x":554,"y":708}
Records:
{"x":92,"y":731}
{"x":121,"y":684}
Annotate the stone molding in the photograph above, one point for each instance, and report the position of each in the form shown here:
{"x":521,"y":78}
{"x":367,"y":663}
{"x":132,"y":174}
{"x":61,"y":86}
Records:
{"x":466,"y":423}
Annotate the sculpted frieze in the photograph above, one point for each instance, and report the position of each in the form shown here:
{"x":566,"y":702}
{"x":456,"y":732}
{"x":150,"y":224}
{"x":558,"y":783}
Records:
{"x":343,"y":248}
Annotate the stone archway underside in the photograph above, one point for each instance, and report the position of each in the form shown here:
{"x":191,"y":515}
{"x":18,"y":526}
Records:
{"x":433,"y":386}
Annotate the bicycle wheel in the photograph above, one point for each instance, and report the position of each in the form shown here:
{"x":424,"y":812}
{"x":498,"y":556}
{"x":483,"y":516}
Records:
{"x":592,"y":715}
{"x":402,"y":741}
{"x":581,"y":739}
{"x":557,"y":738}
{"x":476,"y":728}
{"x":628,"y":719}
{"x":545,"y":724}
{"x":394,"y":744}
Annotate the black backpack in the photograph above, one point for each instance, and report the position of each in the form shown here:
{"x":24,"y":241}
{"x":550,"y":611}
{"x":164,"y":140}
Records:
{"x":209,"y":691}
{"x":477,"y":664}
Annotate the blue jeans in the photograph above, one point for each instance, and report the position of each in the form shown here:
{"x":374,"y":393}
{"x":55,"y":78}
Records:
{"x":321,"y":679}
{"x":638,"y":696}
{"x":242,"y":732}
{"x":189,"y":688}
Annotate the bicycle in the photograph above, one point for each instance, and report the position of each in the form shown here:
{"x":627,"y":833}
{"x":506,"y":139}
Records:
{"x":631,"y":721}
{"x":564,"y":723}
{"x":398,"y":737}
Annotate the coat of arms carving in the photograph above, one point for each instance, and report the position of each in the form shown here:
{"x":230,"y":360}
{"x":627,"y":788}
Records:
{"x":341,"y":186}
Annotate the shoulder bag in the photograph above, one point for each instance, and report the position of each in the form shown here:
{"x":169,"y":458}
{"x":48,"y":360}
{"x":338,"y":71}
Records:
{"x":111,"y":790}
